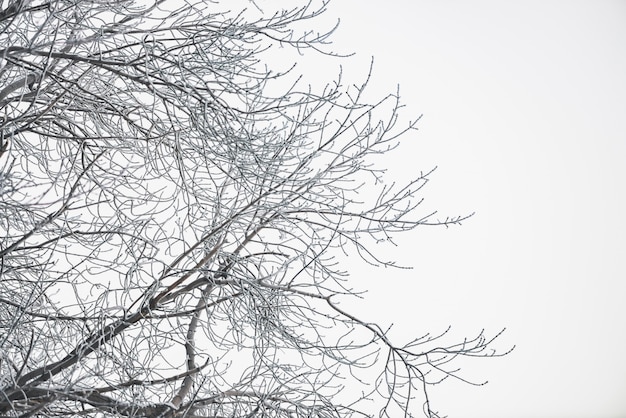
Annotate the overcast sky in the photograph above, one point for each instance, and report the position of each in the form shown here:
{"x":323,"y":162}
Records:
{"x":524,"y":108}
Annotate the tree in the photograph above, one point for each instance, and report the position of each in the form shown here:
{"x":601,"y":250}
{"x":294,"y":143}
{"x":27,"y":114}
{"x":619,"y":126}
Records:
{"x":173,"y":212}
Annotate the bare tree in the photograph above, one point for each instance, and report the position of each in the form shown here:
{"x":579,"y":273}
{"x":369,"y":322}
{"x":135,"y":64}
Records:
{"x":172,"y":214}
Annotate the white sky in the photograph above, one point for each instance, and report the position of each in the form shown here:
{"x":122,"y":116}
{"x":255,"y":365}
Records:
{"x":524,"y":109}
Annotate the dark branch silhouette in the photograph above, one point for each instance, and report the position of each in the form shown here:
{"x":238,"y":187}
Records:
{"x":173,"y":213}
